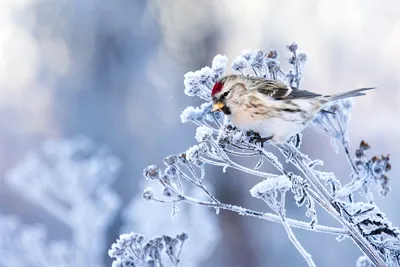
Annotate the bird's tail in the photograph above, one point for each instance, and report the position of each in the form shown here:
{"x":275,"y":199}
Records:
{"x":352,"y":93}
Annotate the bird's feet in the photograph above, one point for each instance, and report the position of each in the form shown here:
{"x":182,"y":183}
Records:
{"x":230,"y":127}
{"x":255,"y":138}
{"x":296,"y":140}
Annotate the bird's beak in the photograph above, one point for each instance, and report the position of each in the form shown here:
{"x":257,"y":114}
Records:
{"x":217,"y":106}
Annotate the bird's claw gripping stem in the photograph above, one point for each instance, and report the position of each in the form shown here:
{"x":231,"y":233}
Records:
{"x":255,"y":138}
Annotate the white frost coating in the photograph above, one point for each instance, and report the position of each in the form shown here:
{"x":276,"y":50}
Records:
{"x":203,"y":133}
{"x":247,"y":54}
{"x":192,"y":153}
{"x":191,"y":84}
{"x":239,"y":64}
{"x":219,"y":64}
{"x":237,"y":137}
{"x":269,"y":185}
{"x":188,"y":114}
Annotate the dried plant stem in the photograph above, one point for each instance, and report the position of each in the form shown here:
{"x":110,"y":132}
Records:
{"x":348,"y":156}
{"x":331,"y":208}
{"x":296,"y":243}
{"x":267,"y":216}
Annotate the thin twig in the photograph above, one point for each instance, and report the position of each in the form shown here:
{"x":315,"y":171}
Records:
{"x":296,"y":243}
{"x":348,"y":156}
{"x":267,"y":216}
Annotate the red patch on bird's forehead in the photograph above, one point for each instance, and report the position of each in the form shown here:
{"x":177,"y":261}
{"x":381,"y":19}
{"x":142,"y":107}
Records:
{"x":217,"y":88}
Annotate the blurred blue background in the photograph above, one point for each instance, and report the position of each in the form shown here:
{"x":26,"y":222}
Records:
{"x":113,"y":72}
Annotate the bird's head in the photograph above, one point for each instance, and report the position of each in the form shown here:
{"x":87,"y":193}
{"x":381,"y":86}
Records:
{"x":221,"y":93}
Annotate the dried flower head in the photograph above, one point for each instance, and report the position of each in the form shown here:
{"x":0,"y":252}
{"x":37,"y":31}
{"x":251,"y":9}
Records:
{"x":151,"y":172}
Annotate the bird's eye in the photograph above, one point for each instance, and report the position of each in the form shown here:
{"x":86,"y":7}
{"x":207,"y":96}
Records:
{"x":226,"y":93}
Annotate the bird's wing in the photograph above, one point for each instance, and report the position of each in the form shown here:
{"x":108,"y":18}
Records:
{"x":279,"y":91}
{"x":296,"y":93}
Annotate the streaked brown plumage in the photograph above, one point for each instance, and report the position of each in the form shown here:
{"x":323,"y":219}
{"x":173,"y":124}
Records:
{"x":269,"y":107}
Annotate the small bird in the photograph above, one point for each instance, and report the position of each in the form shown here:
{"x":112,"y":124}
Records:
{"x":270,"y":108}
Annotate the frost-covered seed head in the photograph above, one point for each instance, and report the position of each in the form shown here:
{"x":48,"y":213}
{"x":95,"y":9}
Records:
{"x":122,"y":246}
{"x":191,"y":114}
{"x":203,"y":133}
{"x":239,"y":64}
{"x":199,"y":113}
{"x":182,"y":237}
{"x":292,"y":60}
{"x":151,"y":172}
{"x":167,"y":192}
{"x":148,"y":194}
{"x":257,"y":58}
{"x":192,"y":154}
{"x":302,"y":57}
{"x":364,"y":145}
{"x":191,"y":82}
{"x":206,"y":76}
{"x":273,"y":54}
{"x":247,"y":54}
{"x":170,"y":160}
{"x":182,"y":158}
{"x":203,"y":147}
{"x":272,"y":64}
{"x":269,"y":185}
{"x":359,"y":153}
{"x":170,"y":171}
{"x":292,"y":47}
{"x":219,"y":65}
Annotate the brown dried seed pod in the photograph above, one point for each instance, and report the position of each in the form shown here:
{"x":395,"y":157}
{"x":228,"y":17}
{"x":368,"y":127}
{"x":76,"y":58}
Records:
{"x":364,"y":145}
{"x":375,"y":159}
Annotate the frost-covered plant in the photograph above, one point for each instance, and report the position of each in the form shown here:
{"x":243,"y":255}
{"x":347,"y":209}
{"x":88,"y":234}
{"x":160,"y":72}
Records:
{"x":70,"y":179}
{"x":221,"y":144}
{"x":153,"y":219}
{"x":27,"y":245}
{"x":131,"y":250}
